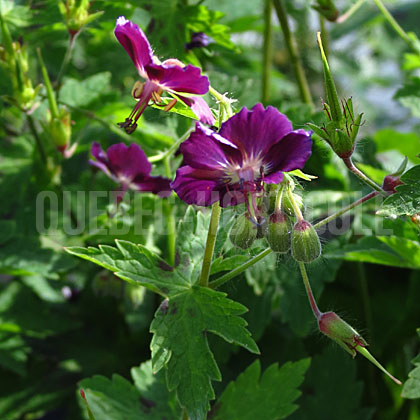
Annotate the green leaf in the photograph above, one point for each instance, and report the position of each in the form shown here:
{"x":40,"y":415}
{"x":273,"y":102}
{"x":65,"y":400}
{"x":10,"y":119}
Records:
{"x":180,"y":343}
{"x":117,"y":398}
{"x":411,"y":389}
{"x":269,"y":396}
{"x":7,"y":230}
{"x":393,"y":251}
{"x":406,"y":201}
{"x":81,"y":93}
{"x":406,"y":143}
{"x":135,"y":264}
{"x":331,"y":389}
{"x":13,"y":353}
{"x":409,"y":95}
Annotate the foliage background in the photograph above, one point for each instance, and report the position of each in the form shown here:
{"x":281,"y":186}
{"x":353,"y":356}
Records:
{"x":63,"y":320}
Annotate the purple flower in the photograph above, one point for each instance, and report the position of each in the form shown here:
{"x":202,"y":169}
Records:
{"x":252,"y":148}
{"x":128,"y":165}
{"x":198,"y":40}
{"x":170,"y":76}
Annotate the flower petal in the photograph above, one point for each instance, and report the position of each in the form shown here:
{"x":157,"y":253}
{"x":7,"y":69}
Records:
{"x":193,"y":188}
{"x":204,"y":150}
{"x":134,"y":41}
{"x":200,"y":108}
{"x":128,"y":162}
{"x":290,"y":153}
{"x":101,"y":161}
{"x":154,"y":184}
{"x":255,"y":131}
{"x":186,"y":79}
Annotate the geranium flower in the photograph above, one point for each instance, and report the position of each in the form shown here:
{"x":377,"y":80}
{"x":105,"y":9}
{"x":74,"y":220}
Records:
{"x":172,"y":76}
{"x":252,"y":148}
{"x":129,"y":167}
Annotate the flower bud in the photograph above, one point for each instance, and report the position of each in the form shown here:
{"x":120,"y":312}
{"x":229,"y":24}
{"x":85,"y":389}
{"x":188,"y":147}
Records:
{"x":76,"y":14}
{"x":393,"y":180}
{"x":342,"y":333}
{"x":243,"y":232}
{"x":60,"y":128}
{"x":279,"y":232}
{"x":306,"y":246}
{"x":327,"y":9}
{"x":287,"y":205}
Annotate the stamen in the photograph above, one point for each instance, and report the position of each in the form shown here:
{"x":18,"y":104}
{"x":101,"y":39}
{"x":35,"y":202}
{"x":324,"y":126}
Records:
{"x":170,"y":105}
{"x":156,"y":97}
{"x":137,"y":90}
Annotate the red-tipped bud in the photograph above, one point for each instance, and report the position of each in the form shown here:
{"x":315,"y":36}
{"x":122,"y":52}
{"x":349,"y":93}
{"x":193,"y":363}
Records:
{"x":306,"y":246}
{"x":278,"y":235}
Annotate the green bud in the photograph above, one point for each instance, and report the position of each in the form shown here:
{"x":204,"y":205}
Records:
{"x":342,"y":333}
{"x":76,"y":14}
{"x":243,"y":232}
{"x":287,"y":205}
{"x":60,"y":128}
{"x":348,"y":338}
{"x":327,"y":9}
{"x":306,"y":246}
{"x":279,"y":232}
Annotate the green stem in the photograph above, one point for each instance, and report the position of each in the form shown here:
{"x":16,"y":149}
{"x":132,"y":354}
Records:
{"x":238,"y":270}
{"x":171,"y":150}
{"x":353,"y":9}
{"x":397,"y":28}
{"x":308,"y":289}
{"x":302,"y":82}
{"x":38,"y":140}
{"x":223,"y":101}
{"x":66,"y":60}
{"x":211,"y":240}
{"x":48,"y":86}
{"x":345,"y":209}
{"x":350,"y":165}
{"x":267,"y":52}
{"x":170,"y":218}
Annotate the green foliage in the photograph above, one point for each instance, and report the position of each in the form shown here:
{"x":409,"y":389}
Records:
{"x":267,"y":396}
{"x":409,"y":94}
{"x":411,"y":388}
{"x":406,"y":201}
{"x":118,"y":398}
{"x":180,"y":343}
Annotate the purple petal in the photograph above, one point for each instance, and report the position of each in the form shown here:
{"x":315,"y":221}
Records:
{"x":290,"y":153}
{"x":134,"y":41}
{"x":128,"y":162}
{"x":202,"y":150}
{"x":193,"y":188}
{"x":255,"y":131}
{"x":186,"y":79}
{"x":154,"y":184}
{"x":101,"y":161}
{"x":200,"y":108}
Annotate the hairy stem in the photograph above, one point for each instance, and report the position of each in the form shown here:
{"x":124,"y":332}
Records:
{"x":170,"y":219}
{"x":302,"y":82}
{"x":346,"y":209}
{"x":312,"y":301}
{"x":211,"y":240}
{"x":240,"y":269}
{"x":353,"y":9}
{"x":66,"y":60}
{"x":349,"y":163}
{"x":38,"y":140}
{"x":267,"y":52}
{"x":395,"y":25}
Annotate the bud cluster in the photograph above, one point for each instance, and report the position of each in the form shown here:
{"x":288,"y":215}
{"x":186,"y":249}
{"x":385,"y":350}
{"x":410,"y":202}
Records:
{"x":76,"y":15}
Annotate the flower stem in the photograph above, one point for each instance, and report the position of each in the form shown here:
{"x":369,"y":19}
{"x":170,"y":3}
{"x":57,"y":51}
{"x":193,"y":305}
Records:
{"x":353,"y":9}
{"x":171,"y":150}
{"x":211,"y":240}
{"x":349,"y":163}
{"x":302,"y":82}
{"x":38,"y":140}
{"x":314,"y":306}
{"x":66,"y":60}
{"x":345,"y":209}
{"x":395,"y":25}
{"x":295,"y":206}
{"x":267,"y":52}
{"x":170,"y":219}
{"x":240,"y":269}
